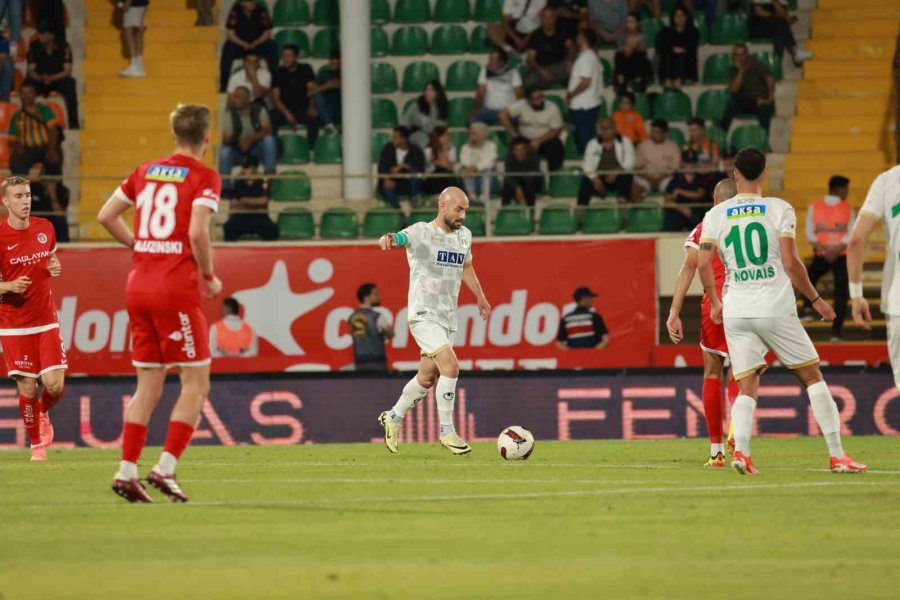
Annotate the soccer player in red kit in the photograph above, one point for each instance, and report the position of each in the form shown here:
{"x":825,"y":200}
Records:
{"x":29,"y":329}
{"x":174,"y":199}
{"x":712,"y":335}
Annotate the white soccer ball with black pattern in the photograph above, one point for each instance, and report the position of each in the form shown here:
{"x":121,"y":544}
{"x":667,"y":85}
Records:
{"x":515,"y":443}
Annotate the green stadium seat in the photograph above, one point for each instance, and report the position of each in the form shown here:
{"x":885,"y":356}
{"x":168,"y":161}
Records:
{"x":379,"y":139}
{"x":604,"y":112}
{"x":412,"y":11}
{"x":290,"y":13}
{"x":571,"y":150}
{"x":601,"y":216}
{"x":672,"y":106}
{"x":409,"y":41}
{"x":488,"y":11}
{"x":449,"y":39}
{"x":557,"y":219}
{"x":384,"y":113}
{"x":339,"y":222}
{"x":384,"y":78}
{"x":324,"y":43}
{"x":288,"y":37}
{"x":644,"y":217}
{"x":294,"y":149}
{"x":749,"y":135}
{"x":500,"y":138}
{"x":425,"y":215}
{"x":328,"y":149}
{"x":462,"y":76}
{"x":325,"y":13}
{"x":677,"y":136}
{"x":711,"y":104}
{"x":730,"y":28}
{"x":459,"y":138}
{"x":296,"y":224}
{"x":716,"y":135}
{"x":478,"y":42}
{"x":607,"y":72}
{"x":560,"y":104}
{"x":417,"y":74}
{"x":378,"y":42}
{"x":641,"y":104}
{"x":474,"y":221}
{"x":458,"y":111}
{"x":565,"y":182}
{"x":379,"y":221}
{"x":451,"y":11}
{"x":772,"y":62}
{"x":514,"y":220}
{"x":651,"y":26}
{"x":296,"y":189}
{"x":716,"y":69}
{"x":702,"y":30}
{"x":380,"y":12}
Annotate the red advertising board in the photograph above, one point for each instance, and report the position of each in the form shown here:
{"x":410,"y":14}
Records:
{"x":298,"y":298}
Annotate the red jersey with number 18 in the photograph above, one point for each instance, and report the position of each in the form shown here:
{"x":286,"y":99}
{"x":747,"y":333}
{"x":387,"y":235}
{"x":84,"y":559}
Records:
{"x":164,"y":193}
{"x":25,"y":253}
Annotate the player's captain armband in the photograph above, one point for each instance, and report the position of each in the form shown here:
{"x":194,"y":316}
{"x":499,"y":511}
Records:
{"x":400,"y":239}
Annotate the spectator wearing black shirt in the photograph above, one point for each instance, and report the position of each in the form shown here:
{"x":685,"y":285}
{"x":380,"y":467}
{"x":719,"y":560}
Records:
{"x":7,"y":69}
{"x":50,"y":70}
{"x":249,"y":210}
{"x":685,"y":188}
{"x":770,"y":19}
{"x":52,"y":207}
{"x":676,"y":49}
{"x":399,"y":157}
{"x":133,"y":32}
{"x":549,"y":54}
{"x":326,"y":92}
{"x":249,"y":29}
{"x":291,"y":86}
{"x":521,"y":189}
{"x":582,"y":328}
{"x":752,"y":89}
{"x":246,"y":131}
{"x":569,"y":15}
{"x":633,"y":70}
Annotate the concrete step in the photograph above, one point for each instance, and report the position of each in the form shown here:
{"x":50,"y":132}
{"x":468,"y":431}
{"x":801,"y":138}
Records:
{"x":156,"y":35}
{"x":809,"y":178}
{"x":877,"y":28}
{"x":122,"y":121}
{"x":826,"y":142}
{"x":839,"y":15}
{"x":164,"y":88}
{"x":855,"y":124}
{"x":102,"y":103}
{"x":800,"y":198}
{"x":834,"y":159}
{"x":833,"y":4}
{"x":103,"y":17}
{"x":879,"y":49}
{"x":840,"y":107}
{"x":847,"y":88}
{"x":817,"y":68}
{"x":153,"y":140}
{"x":203,"y":52}
{"x":201,"y":70}
{"x":161,"y":5}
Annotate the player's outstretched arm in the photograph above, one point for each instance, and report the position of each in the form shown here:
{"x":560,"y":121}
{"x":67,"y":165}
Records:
{"x":471,"y":280}
{"x":110,"y":216}
{"x":856,"y":251}
{"x":796,"y":270}
{"x":708,"y":279}
{"x":682,"y":284}
{"x":390,"y":241}
{"x":198,"y":233}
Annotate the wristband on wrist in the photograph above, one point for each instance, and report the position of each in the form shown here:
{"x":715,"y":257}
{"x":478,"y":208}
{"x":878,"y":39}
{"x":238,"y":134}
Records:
{"x":816,"y":299}
{"x":856,"y":290}
{"x":208,"y":276}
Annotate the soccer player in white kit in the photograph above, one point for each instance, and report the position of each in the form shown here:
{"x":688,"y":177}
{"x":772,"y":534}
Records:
{"x":755,"y":239}
{"x":440,"y":259}
{"x":882,"y":203}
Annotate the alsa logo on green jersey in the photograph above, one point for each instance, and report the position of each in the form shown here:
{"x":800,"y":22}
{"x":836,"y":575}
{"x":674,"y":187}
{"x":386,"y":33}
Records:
{"x":754,"y":274}
{"x":750,"y":210}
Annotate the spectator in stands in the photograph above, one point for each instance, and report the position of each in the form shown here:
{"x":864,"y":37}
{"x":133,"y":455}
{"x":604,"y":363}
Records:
{"x":50,"y":70}
{"x":609,"y":151}
{"x":629,"y":122}
{"x":252,"y":75}
{"x":477,"y":161}
{"x":7,"y":69}
{"x":326,"y":92}
{"x":232,"y":336}
{"x":607,"y":19}
{"x":520,"y":18}
{"x":399,"y":157}
{"x":290,"y":93}
{"x":519,"y":188}
{"x":133,"y":32}
{"x":702,"y":154}
{"x":646,"y":9}
{"x":499,"y":85}
{"x":246,"y":131}
{"x":205,"y":16}
{"x":13,"y":11}
{"x":657,"y":159}
{"x":249,"y":29}
{"x":370,"y":329}
{"x":829,"y":222}
{"x":751,"y":87}
{"x":676,"y":50}
{"x":549,"y":54}
{"x":441,"y":162}
{"x":685,"y":188}
{"x":583,"y":328}
{"x":770,"y":19}
{"x":52,"y":207}
{"x":569,"y":15}
{"x":34,"y":138}
{"x":585,"y":88}
{"x":249,"y":208}
{"x":427,"y":112}
{"x":633,"y":71}
{"x":540,"y":122}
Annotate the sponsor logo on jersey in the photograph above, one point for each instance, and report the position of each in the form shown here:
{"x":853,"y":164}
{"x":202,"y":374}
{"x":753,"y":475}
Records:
{"x":754,"y":274}
{"x":750,"y":210}
{"x":42,"y":238}
{"x":447,"y":258}
{"x":158,"y":247}
{"x":176,"y":336}
{"x":167,"y":173}
{"x":210,"y":193}
{"x":30,"y":258}
{"x":25,"y":363}
{"x":13,"y":247}
{"x":189,"y":348}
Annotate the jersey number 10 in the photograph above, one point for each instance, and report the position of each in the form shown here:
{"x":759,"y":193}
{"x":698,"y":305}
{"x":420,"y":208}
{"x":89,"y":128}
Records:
{"x":745,"y":247}
{"x":157,"y":211}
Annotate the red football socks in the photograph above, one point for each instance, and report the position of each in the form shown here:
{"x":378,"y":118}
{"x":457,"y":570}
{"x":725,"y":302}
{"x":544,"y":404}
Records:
{"x":134,"y":436}
{"x":48,"y":400}
{"x":712,"y":408}
{"x":178,"y":437}
{"x":28,"y":408}
{"x":733,"y":391}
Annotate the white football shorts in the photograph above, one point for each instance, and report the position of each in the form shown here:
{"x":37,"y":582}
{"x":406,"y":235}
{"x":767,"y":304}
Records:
{"x":750,"y":339}
{"x":431,"y":337}
{"x":893,"y":336}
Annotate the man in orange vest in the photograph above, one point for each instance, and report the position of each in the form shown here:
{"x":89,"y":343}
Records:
{"x":828,"y":224}
{"x":232,"y":336}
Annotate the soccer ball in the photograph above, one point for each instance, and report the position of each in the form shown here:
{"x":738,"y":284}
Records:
{"x":515,"y":443}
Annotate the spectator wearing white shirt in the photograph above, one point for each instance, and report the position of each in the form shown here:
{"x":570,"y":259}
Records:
{"x":520,"y":18}
{"x":477,"y":161}
{"x":585,"y":88}
{"x":541,"y":123}
{"x":254,"y":75}
{"x":607,"y":152}
{"x":499,"y":86}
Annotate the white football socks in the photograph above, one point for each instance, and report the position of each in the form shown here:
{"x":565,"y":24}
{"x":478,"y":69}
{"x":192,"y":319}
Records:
{"x":445,"y":397}
{"x":742,"y":418}
{"x":827,"y":416}
{"x":167,"y":462}
{"x":716,"y":449}
{"x":411,"y":395}
{"x":128,"y":470}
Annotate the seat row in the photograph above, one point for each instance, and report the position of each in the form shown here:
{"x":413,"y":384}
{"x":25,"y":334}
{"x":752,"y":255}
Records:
{"x":325,"y":12}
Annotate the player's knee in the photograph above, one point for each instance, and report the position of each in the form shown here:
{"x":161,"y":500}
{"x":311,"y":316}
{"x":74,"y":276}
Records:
{"x":426,"y":380}
{"x":27,"y":387}
{"x":54,"y":387}
{"x":451,"y":369}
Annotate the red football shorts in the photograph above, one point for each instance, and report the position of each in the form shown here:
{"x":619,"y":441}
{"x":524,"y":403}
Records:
{"x":34,"y":354}
{"x":712,"y":335}
{"x":167,"y":332}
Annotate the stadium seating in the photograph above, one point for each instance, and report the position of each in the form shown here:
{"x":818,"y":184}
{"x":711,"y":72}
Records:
{"x":478,"y":42}
{"x":296,"y":224}
{"x":379,"y":221}
{"x":378,"y":42}
{"x":417,"y":74}
{"x":716,"y":135}
{"x":290,"y":13}
{"x":325,"y":13}
{"x":324,"y":43}
{"x":772,"y":62}
{"x":462,"y":76}
{"x":557,"y":219}
{"x":409,"y":41}
{"x":672,"y":106}
{"x":379,"y":11}
{"x":565,"y":182}
{"x":384,"y":78}
{"x":379,"y":139}
{"x":459,"y":139}
{"x":488,"y":11}
{"x":700,"y":24}
{"x":514,"y":220}
{"x":601,"y":217}
{"x":677,"y":136}
{"x":749,"y":135}
{"x":607,"y":72}
{"x":339,"y":222}
{"x":571,"y":150}
{"x":641,"y":104}
{"x":412,"y":11}
{"x":426,"y":215}
{"x":384,"y":113}
{"x":716,"y":69}
{"x":711,"y":104}
{"x":298,"y":38}
{"x":474,"y":221}
{"x":451,"y":11}
{"x":644,"y":217}
{"x":449,"y":39}
{"x":560,"y":104}
{"x":651,"y":28}
{"x":500,"y":138}
{"x":294,"y":149}
{"x":458,"y":111}
{"x":291,"y":190}
{"x":730,"y":28}
{"x":328,"y":149}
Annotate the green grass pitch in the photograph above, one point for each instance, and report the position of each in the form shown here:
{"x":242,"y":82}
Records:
{"x":601,"y":520}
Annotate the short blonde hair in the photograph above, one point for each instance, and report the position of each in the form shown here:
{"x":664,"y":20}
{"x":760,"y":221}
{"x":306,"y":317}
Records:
{"x":11,"y":181}
{"x":190,"y":123}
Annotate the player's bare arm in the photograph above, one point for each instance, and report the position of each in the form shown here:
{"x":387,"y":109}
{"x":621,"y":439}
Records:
{"x":390,"y":241}
{"x":708,"y":279}
{"x":796,"y":271}
{"x":856,"y":251}
{"x":682,"y":284}
{"x":202,"y":248}
{"x":110,"y":217}
{"x":54,"y":266}
{"x":16,"y":286}
{"x":471,"y":281}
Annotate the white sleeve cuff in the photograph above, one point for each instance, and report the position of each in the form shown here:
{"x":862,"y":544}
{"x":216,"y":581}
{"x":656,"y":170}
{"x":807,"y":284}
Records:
{"x":208,"y":203}
{"x":120,"y":194}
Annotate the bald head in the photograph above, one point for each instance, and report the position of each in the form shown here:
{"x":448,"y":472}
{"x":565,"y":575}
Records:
{"x":725,"y":189}
{"x":452,"y":206}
